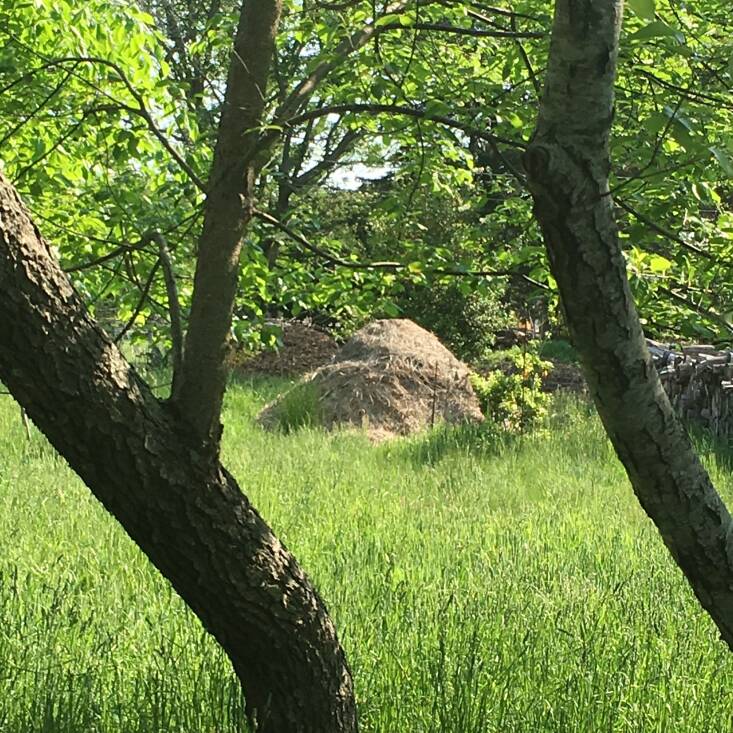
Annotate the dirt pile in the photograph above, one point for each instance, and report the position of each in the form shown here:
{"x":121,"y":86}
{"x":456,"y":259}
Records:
{"x":392,"y":378}
{"x":303,"y":349}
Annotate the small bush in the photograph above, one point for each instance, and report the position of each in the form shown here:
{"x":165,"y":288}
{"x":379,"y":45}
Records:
{"x":512,"y":397}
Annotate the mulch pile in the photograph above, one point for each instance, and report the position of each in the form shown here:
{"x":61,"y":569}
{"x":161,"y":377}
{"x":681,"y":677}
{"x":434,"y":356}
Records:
{"x":303,"y":349}
{"x":391,"y":378}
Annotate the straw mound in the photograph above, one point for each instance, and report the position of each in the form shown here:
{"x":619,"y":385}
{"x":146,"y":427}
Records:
{"x":392,"y":378}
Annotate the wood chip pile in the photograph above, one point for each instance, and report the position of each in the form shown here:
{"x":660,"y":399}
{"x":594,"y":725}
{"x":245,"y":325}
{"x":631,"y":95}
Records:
{"x":699,"y":383}
{"x":303,"y":349}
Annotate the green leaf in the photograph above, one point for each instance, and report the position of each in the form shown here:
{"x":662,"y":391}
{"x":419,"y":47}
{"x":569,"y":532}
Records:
{"x":515,"y":121}
{"x":682,"y":129}
{"x":643,"y":8}
{"x":658,"y":264}
{"x":388,"y":19}
{"x":682,"y":135}
{"x":390,"y":309}
{"x":437,"y":107}
{"x":680,"y":117}
{"x":724,"y":160}
{"x":657,"y":29}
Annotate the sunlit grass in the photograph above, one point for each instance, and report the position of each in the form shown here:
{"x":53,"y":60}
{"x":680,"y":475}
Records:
{"x":478,"y":587}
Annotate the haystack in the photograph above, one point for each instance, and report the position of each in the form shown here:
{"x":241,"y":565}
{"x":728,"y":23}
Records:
{"x":392,"y":378}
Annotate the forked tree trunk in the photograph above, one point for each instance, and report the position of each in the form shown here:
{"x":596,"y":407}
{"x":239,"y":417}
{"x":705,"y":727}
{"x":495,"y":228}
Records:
{"x":568,"y":163}
{"x":185,"y":512}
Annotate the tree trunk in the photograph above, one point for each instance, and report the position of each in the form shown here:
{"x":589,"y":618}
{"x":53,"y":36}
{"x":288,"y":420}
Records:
{"x":228,"y":211}
{"x":185,"y":511}
{"x":567,"y":164}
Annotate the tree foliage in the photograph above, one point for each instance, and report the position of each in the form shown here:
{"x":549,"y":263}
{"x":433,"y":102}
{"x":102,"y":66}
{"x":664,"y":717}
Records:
{"x":118,"y":114}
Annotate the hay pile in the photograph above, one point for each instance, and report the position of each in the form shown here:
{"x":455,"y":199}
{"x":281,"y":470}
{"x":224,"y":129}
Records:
{"x":303,"y":349}
{"x":392,"y":378}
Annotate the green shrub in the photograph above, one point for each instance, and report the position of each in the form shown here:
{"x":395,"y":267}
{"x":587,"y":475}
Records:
{"x":464,"y":318}
{"x":512,"y":397}
{"x":559,"y":350}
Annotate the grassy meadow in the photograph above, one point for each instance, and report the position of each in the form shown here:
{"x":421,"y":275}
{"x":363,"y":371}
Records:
{"x":478,"y":587}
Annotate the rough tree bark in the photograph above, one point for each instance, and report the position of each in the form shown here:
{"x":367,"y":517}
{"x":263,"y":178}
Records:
{"x":155,"y":465}
{"x":185,"y":512}
{"x":568,"y":163}
{"x":228,"y":211}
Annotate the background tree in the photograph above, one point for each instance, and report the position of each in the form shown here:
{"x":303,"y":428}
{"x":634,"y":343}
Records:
{"x":389,"y":115}
{"x":390,"y":120}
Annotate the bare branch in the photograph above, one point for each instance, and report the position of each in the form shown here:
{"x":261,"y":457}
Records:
{"x":527,"y":63}
{"x":671,"y":236}
{"x":715,"y":318}
{"x":718,"y":102}
{"x":60,"y":141}
{"x":446,"y":28}
{"x":174,"y":309}
{"x":116,"y":252}
{"x":305,"y":89}
{"x":396,"y":109}
{"x":141,"y":110}
{"x":38,"y":108}
{"x":499,"y":11}
{"x":138,"y":308}
{"x":329,"y":161}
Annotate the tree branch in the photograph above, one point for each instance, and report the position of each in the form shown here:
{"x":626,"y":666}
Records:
{"x":403,"y":110}
{"x":712,"y":316}
{"x":305,"y":89}
{"x":387,"y":266}
{"x":228,"y":210}
{"x":667,"y":233}
{"x":141,"y":110}
{"x":328,"y":162}
{"x":141,"y":302}
{"x":14,"y":130}
{"x":446,"y":28}
{"x":174,"y":309}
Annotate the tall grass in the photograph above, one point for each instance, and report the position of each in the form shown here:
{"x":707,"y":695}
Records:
{"x":478,"y":586}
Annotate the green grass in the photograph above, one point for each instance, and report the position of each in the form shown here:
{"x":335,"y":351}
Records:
{"x":478,"y":588}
